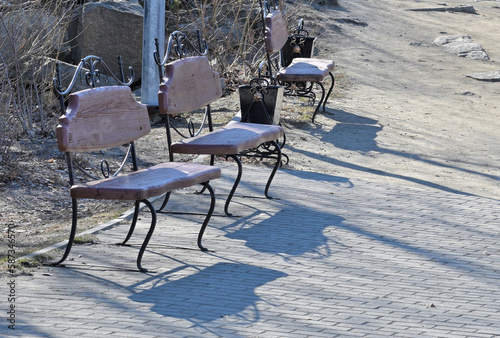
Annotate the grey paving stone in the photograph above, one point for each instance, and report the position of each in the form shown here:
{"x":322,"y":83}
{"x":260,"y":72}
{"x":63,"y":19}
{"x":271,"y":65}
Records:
{"x":369,"y":260}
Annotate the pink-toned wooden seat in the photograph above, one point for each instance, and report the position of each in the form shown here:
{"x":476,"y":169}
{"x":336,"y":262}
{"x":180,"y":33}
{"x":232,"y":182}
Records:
{"x":146,"y":183}
{"x":319,"y":63}
{"x":232,"y":139}
{"x":190,"y":83}
{"x":105,"y":117}
{"x":300,"y":70}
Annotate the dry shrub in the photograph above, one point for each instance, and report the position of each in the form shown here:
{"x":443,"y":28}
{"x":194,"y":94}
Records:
{"x":30,"y":31}
{"x":233,"y":30}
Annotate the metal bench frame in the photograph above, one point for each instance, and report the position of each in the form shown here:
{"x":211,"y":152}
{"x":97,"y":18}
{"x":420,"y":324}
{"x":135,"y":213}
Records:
{"x":75,"y":134}
{"x":288,"y":60}
{"x":178,"y":48}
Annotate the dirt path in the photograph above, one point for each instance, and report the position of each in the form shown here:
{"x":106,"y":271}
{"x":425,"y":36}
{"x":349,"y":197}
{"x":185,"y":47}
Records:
{"x":409,"y":113}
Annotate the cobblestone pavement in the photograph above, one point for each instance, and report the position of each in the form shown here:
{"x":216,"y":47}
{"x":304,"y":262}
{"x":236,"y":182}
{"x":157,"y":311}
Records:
{"x":332,"y":256}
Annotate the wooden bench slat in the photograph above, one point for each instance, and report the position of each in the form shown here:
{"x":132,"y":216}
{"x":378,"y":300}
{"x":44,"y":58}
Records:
{"x":302,"y":73}
{"x":101,"y":118}
{"x":153,"y":181}
{"x":330,"y":65}
{"x":229,"y":140}
{"x":304,"y":69}
{"x":189,"y":84}
{"x":276,"y":33}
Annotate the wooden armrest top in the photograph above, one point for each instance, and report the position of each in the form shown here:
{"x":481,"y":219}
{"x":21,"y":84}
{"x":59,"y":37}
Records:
{"x":146,"y":183}
{"x":232,"y":139}
{"x":189,"y":84}
{"x":101,"y":118}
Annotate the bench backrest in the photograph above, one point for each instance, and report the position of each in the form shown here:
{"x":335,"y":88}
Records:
{"x":276,"y":33}
{"x":189,"y":84}
{"x":101,"y":118}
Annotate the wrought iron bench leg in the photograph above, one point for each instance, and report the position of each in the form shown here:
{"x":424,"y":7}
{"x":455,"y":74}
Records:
{"x":235,"y":185}
{"x":132,"y":225}
{"x":329,"y":91}
{"x":165,"y":201}
{"x":275,"y":169}
{"x":212,"y":161}
{"x":209,"y":215}
{"x":320,"y":101}
{"x":148,"y":236}
{"x":72,"y":233}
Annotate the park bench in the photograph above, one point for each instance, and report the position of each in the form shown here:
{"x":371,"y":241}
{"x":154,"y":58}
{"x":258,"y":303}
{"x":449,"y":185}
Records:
{"x":293,"y":66}
{"x":105,"y":117}
{"x":188,"y":83}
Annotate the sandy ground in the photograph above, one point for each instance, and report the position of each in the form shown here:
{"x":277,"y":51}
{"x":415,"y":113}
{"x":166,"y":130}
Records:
{"x":405,"y":110}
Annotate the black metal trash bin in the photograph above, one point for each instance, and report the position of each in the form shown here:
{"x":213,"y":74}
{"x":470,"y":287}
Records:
{"x":261,"y":102}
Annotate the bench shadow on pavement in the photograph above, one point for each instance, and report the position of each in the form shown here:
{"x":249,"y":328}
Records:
{"x":223,"y":289}
{"x":289,"y":236}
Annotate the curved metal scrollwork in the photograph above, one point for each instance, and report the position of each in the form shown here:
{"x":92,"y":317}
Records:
{"x":266,"y":151}
{"x":90,"y":70}
{"x":297,"y":43}
{"x":300,"y":31}
{"x":300,"y":89}
{"x":192,"y":130}
{"x":179,"y":46}
{"x":259,"y":88}
{"x":105,"y":168}
{"x":265,"y":73}
{"x":267,"y":6}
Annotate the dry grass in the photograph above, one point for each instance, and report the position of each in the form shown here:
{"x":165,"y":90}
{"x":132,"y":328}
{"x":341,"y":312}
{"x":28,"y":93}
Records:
{"x":30,"y":31}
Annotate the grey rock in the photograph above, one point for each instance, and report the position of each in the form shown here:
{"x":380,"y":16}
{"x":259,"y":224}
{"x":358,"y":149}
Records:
{"x":457,"y":9}
{"x":109,"y":29}
{"x":352,"y":21}
{"x":493,"y":76}
{"x":463,"y":46}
